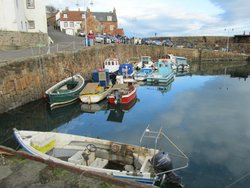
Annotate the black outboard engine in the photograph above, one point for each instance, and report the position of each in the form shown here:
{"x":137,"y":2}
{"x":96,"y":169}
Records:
{"x":161,"y":163}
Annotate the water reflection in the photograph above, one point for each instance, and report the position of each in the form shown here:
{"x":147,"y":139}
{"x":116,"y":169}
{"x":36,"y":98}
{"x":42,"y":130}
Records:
{"x":117,"y":111}
{"x":206,"y":115}
{"x":218,"y":122}
{"x":93,"y":108}
{"x":219,"y":68}
{"x":35,"y":116}
{"x":162,"y":87}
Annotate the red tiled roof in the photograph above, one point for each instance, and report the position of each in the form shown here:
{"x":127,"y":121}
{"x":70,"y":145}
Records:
{"x":120,"y":31}
{"x":72,"y":16}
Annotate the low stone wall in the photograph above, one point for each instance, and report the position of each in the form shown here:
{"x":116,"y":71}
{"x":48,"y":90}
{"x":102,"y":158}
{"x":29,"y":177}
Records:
{"x":26,"y":80}
{"x":16,"y":40}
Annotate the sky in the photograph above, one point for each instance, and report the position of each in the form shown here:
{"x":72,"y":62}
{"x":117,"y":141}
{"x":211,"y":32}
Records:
{"x":148,"y":18}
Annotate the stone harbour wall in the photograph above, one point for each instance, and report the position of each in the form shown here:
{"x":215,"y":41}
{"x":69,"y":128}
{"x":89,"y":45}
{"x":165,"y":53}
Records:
{"x":23,"y":81}
{"x":15,"y":40}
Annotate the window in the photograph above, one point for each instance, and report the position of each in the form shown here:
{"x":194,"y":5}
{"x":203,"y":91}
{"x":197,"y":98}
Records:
{"x":65,"y":24}
{"x":31,"y":24}
{"x":111,"y":27}
{"x":65,"y":16}
{"x":109,"y":18}
{"x":71,"y":24}
{"x":30,"y":3}
{"x":83,"y":16}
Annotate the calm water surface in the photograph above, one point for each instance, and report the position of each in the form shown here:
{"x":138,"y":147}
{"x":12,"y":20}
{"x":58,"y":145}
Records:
{"x":207,"y":116}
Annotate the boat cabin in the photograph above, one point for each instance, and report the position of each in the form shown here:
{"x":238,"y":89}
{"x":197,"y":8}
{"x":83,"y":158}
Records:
{"x":101,"y":76}
{"x":181,"y":60}
{"x":112,"y":64}
{"x":126,"y":69}
{"x":164,"y":68}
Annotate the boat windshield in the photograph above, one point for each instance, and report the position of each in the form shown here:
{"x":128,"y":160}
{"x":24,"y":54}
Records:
{"x":162,"y":143}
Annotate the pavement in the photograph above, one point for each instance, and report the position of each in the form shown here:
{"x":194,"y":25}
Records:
{"x":61,"y":42}
{"x":19,"y":169}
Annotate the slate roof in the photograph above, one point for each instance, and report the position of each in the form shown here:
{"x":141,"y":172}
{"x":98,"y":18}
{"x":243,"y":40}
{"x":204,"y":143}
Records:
{"x":102,"y":16}
{"x":77,"y":16}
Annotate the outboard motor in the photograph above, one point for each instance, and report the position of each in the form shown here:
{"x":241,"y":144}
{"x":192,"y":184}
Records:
{"x":161,"y":163}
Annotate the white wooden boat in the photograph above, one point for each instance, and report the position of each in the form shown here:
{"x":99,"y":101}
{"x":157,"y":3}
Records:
{"x":97,"y":90}
{"x":181,"y":63}
{"x":93,"y":93}
{"x":145,"y":62}
{"x":120,"y":160}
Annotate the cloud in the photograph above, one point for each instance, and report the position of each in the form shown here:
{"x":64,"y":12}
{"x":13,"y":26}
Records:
{"x":167,"y":17}
{"x":221,"y":130}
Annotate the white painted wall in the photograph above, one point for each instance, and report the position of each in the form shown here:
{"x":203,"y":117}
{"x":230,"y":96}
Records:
{"x":71,"y":30}
{"x":11,"y":15}
{"x":14,"y":16}
{"x":38,"y":14}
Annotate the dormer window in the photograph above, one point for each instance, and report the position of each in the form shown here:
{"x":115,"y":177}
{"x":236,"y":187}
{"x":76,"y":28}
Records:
{"x":83,"y":16}
{"x":109,"y":18}
{"x":65,"y":15}
{"x":30,"y":4}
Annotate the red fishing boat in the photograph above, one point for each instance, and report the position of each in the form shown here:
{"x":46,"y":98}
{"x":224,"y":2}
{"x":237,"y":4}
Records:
{"x":122,"y":93}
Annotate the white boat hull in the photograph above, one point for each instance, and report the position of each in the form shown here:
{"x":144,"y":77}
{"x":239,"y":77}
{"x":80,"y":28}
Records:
{"x":94,"y":98}
{"x":52,"y":146}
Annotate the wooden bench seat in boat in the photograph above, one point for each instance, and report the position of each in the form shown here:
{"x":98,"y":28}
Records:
{"x":99,"y":163}
{"x":78,"y":158}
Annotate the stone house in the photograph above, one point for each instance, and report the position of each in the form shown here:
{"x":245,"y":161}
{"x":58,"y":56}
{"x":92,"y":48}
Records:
{"x":71,"y":22}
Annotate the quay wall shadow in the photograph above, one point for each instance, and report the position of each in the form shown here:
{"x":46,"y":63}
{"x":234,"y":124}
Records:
{"x":26,"y":80}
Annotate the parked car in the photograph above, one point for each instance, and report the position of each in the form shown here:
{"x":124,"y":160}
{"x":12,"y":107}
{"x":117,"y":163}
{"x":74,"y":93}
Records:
{"x":81,"y":34}
{"x":102,"y":39}
{"x":167,"y":43}
{"x":157,"y":43}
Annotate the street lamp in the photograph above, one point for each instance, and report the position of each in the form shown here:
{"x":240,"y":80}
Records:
{"x":85,"y":21}
{"x":228,"y":36}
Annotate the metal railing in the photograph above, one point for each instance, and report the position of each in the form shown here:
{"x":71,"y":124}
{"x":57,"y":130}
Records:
{"x":37,"y":51}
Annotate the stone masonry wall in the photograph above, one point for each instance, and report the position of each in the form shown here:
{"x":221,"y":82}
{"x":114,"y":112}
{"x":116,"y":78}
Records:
{"x":26,"y":80}
{"x":16,"y":40}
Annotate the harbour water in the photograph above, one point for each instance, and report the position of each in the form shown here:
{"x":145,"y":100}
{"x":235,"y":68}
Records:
{"x":205,"y":113}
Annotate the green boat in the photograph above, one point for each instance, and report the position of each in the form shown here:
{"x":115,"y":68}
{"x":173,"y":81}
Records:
{"x":65,"y":91}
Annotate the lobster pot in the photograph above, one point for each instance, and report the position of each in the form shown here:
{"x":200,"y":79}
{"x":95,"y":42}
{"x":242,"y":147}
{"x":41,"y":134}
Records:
{"x":101,"y":76}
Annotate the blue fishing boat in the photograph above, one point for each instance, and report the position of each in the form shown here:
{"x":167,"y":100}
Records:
{"x":126,"y":73}
{"x":143,"y":73}
{"x":126,"y":69}
{"x":163,"y":74}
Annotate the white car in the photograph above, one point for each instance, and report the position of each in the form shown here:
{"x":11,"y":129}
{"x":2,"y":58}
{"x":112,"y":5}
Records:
{"x":102,"y":39}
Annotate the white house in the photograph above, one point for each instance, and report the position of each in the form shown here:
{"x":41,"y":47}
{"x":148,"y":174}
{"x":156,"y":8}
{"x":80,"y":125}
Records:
{"x":70,"y":21}
{"x":23,"y":15}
